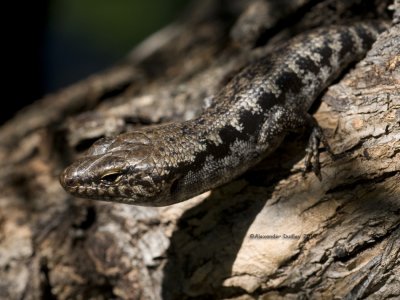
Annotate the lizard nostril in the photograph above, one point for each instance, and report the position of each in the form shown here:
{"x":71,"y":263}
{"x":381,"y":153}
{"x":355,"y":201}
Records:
{"x":65,"y":180}
{"x":69,"y":181}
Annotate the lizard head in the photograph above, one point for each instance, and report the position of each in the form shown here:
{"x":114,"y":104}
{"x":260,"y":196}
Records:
{"x":120,"y":169}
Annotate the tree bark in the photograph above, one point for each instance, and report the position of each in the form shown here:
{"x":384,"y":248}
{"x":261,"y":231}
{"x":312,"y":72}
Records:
{"x":271,"y":234}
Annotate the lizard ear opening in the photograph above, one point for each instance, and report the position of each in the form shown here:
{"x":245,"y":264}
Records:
{"x":174,"y":186}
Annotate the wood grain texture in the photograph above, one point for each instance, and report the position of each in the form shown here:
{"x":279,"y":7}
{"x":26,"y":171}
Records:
{"x":55,"y":246}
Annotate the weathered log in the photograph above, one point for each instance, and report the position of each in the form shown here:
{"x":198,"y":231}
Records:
{"x":272,"y":233}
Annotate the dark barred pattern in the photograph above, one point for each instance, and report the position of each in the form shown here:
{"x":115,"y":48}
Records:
{"x":247,"y":120}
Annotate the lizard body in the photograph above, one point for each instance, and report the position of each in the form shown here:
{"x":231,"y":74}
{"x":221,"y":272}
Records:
{"x":247,"y":120}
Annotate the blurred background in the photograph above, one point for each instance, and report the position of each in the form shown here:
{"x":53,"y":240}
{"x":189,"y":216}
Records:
{"x":53,"y":43}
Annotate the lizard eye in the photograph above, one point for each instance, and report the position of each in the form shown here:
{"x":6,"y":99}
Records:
{"x":111,"y":177}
